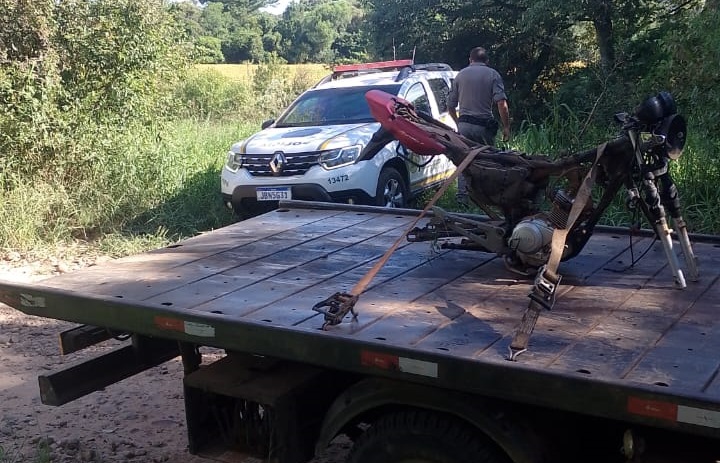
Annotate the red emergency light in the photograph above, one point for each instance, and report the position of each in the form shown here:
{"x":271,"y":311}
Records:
{"x":347,"y":70}
{"x":383,"y":65}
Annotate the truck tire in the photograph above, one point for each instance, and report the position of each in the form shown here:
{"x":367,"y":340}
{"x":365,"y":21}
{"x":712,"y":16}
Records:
{"x":391,"y":189}
{"x":423,"y":437}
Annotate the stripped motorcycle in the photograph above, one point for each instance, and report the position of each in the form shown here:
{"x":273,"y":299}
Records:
{"x":512,"y":187}
{"x":543,"y":210}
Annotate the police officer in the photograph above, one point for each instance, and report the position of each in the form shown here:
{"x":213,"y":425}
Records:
{"x":475,"y":89}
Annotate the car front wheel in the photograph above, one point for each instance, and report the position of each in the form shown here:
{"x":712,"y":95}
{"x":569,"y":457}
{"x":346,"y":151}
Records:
{"x":391,"y":189}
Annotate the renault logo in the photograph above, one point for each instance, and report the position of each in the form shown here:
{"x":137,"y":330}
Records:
{"x":277,"y":163}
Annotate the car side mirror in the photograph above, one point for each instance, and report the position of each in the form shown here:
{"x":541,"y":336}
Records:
{"x":267,"y":124}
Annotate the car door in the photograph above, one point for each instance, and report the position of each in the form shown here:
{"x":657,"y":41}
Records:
{"x":424,"y":171}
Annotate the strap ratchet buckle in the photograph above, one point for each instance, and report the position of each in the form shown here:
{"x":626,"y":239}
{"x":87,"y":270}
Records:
{"x":545,"y":287}
{"x":339,"y":305}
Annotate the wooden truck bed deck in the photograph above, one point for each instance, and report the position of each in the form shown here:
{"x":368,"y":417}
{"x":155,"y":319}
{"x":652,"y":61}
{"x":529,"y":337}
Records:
{"x":621,"y":342}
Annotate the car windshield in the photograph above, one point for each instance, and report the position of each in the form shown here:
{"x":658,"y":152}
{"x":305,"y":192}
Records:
{"x":331,"y":106}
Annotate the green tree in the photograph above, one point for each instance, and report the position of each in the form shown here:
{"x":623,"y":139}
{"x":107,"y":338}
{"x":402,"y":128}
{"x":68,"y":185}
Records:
{"x":241,"y":8}
{"x":117,"y":57}
{"x":215,"y":21}
{"x":537,"y":45}
{"x":243,"y":45}
{"x":314,"y":30}
{"x":207,"y":50}
{"x":271,"y":37}
{"x":29,"y":87}
{"x":238,"y":24}
{"x":188,"y":15}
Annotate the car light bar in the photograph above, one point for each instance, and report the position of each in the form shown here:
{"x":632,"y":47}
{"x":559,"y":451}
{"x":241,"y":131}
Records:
{"x":379,"y":65}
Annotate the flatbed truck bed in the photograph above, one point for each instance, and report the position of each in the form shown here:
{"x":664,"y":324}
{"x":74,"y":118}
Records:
{"x":621,"y":343}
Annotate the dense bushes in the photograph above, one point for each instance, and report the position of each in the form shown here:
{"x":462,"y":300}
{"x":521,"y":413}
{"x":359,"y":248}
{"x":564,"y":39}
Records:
{"x":693,"y":56}
{"x":206,"y":93}
{"x":253,"y":92}
{"x":80,"y":82}
{"x":92,"y":142}
{"x":119,"y":60}
{"x":91,"y":68}
{"x":29,"y":87}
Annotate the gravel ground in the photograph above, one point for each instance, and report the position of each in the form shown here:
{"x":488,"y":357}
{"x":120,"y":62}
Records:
{"x":139,"y":420}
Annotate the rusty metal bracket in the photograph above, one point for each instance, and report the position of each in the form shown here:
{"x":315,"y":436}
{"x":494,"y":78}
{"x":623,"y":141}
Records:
{"x":339,"y":305}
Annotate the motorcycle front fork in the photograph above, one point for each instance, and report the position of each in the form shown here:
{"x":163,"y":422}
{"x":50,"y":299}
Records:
{"x":664,"y":233}
{"x":654,"y":204}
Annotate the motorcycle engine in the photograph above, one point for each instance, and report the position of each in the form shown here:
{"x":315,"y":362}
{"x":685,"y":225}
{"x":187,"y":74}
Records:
{"x":530,"y":239}
{"x":532,"y":236}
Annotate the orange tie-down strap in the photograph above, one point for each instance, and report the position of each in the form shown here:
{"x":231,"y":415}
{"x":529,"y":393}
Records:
{"x":547,"y":279}
{"x":340,"y":304}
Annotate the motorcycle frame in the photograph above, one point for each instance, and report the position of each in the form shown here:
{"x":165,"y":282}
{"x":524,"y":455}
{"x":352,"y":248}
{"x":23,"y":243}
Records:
{"x":640,"y":166}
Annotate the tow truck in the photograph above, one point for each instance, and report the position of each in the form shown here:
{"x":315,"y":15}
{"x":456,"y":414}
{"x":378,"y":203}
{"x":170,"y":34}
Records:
{"x":624,"y":368}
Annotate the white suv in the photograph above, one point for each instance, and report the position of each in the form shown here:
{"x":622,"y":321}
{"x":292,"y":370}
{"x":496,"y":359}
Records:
{"x":313,"y":150}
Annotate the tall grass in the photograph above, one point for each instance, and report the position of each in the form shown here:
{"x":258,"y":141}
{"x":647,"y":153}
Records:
{"x":150,"y":189}
{"x":246,"y":90}
{"x":124,"y":191}
{"x":41,"y":454}
{"x":696,"y":173}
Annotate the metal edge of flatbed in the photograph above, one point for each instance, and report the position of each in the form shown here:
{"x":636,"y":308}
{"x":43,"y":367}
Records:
{"x":634,"y":402}
{"x":640,"y":403}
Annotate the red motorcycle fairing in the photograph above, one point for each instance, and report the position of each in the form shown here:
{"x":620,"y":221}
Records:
{"x":382,"y":107}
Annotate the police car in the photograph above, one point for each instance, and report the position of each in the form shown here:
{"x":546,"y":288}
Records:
{"x":312,"y":150}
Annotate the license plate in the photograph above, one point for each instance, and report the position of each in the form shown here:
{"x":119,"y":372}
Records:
{"x":273,"y":193}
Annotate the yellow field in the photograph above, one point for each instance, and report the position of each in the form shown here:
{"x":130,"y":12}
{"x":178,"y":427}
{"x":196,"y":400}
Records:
{"x":244,"y":72}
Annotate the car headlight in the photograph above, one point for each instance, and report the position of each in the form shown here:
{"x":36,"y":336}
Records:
{"x":234,"y":161}
{"x":332,"y":159}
